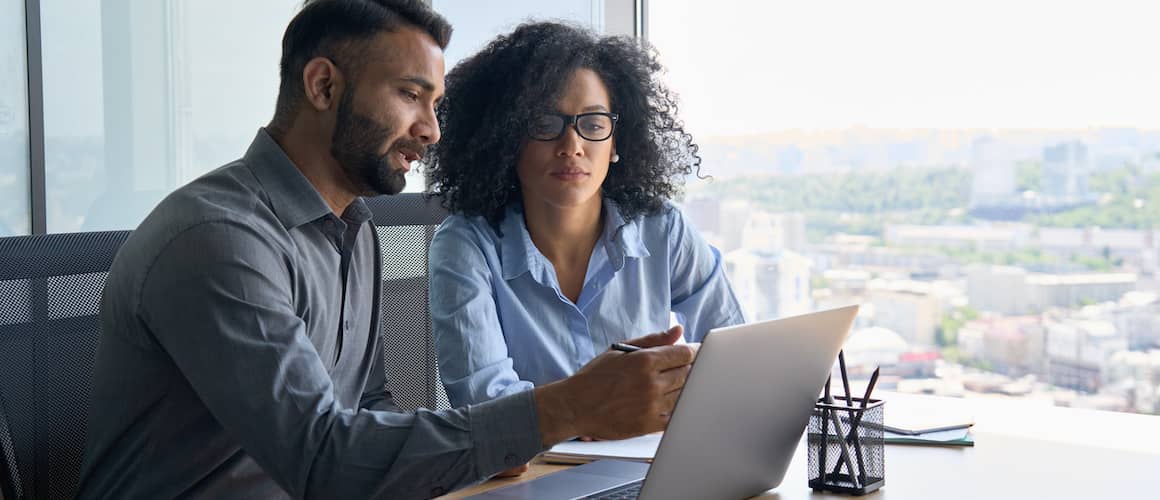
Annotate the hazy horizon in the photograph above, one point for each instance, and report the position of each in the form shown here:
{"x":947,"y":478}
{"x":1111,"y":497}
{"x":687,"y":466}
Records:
{"x":742,"y":66}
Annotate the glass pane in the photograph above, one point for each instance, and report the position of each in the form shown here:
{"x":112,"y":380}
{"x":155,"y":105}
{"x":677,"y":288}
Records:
{"x":477,"y":23}
{"x":142,"y":97}
{"x":992,"y":201}
{"x":15,"y":215}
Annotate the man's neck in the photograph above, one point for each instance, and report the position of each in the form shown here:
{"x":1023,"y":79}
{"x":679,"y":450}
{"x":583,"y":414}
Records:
{"x":312,"y":157}
{"x":564,"y":234}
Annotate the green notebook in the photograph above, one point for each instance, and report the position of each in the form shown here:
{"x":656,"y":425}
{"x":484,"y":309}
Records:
{"x":953,"y":437}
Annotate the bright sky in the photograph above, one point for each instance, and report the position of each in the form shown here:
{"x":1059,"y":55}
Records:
{"x":757,"y":66}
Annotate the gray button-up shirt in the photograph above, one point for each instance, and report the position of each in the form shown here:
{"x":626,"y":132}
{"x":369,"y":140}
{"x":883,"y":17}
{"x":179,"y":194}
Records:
{"x":240,"y":357}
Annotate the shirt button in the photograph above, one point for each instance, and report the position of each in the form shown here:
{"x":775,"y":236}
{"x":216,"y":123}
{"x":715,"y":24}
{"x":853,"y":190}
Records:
{"x":438,"y":491}
{"x":511,"y":460}
{"x":346,"y":325}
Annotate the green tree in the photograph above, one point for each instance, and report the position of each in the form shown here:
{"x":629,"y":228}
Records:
{"x":947,"y":333}
{"x":1028,"y":176}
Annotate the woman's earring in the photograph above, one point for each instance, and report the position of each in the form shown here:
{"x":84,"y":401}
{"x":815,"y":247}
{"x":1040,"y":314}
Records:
{"x":615,"y":158}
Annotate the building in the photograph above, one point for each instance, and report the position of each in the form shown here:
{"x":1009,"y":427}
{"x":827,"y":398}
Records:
{"x":1072,"y":290}
{"x":826,"y":298}
{"x":1064,"y":174}
{"x":918,"y":364}
{"x":1139,"y":373}
{"x":1137,"y":315}
{"x":993,"y":173}
{"x":1137,"y":247}
{"x":1015,"y":291}
{"x":1114,"y":147}
{"x":992,"y":237}
{"x":770,"y":231}
{"x":998,"y":289}
{"x":847,"y":281}
{"x":1014,"y":345}
{"x":733,"y":216}
{"x":1008,"y":345}
{"x":869,"y":348}
{"x":770,"y":283}
{"x":910,"y":308}
{"x":852,"y":255}
{"x":1079,"y":350}
{"x":970,"y":341}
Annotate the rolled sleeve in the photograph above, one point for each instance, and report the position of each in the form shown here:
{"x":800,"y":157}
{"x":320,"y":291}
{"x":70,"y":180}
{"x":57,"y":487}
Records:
{"x":701,"y":294}
{"x":219,"y":300}
{"x":473,"y":354}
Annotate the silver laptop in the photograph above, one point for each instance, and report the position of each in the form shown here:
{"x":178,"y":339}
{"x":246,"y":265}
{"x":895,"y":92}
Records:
{"x":737,"y":422}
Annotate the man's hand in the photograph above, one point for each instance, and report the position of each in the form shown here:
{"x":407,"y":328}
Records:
{"x":617,"y":395}
{"x":518,"y":470}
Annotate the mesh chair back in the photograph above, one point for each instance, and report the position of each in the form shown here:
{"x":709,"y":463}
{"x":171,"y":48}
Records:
{"x":405,"y":223}
{"x":50,"y":292}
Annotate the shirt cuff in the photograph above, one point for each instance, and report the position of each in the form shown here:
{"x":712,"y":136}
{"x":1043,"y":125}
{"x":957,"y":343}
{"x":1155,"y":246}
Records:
{"x":506,"y":432}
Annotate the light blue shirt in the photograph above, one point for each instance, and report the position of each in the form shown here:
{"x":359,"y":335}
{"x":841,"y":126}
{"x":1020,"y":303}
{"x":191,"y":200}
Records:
{"x":503,"y":326}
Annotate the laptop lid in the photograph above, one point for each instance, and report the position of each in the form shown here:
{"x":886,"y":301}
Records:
{"x":737,"y":422}
{"x":745,"y":406}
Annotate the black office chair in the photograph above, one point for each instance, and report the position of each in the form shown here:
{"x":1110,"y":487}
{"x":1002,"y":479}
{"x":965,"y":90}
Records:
{"x":50,"y":292}
{"x":406,"y":222}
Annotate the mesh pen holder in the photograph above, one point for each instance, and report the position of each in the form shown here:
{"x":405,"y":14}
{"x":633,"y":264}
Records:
{"x":855,"y":462}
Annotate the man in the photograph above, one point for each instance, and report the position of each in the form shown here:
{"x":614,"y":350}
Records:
{"x":239,"y":355}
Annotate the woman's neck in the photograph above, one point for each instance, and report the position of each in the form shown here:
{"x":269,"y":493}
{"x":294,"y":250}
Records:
{"x":565,"y":235}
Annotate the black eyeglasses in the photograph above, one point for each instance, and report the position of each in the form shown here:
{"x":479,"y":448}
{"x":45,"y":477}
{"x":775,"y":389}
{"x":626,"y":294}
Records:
{"x":590,"y":126}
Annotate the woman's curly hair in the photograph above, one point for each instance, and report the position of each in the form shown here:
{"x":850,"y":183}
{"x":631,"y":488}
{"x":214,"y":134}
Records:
{"x":492,"y":96}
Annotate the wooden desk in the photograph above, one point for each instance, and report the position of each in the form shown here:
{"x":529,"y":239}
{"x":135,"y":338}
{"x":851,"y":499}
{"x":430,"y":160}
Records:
{"x":1022,"y":450}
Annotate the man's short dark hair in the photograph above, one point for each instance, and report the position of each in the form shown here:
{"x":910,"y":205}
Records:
{"x":334,"y":28}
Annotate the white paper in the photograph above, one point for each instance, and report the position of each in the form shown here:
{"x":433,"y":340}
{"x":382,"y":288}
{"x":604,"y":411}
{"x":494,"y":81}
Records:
{"x":639,"y":449}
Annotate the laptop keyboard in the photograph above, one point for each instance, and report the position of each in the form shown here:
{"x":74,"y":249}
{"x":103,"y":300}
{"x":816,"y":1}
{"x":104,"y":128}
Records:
{"x":627,"y":492}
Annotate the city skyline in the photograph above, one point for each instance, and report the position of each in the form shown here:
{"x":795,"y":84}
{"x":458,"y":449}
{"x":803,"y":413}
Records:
{"x":939,"y":324}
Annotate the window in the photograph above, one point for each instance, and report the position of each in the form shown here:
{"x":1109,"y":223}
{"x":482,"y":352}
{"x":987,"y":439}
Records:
{"x":983,"y":176}
{"x":477,"y":23}
{"x":142,"y":97}
{"x":15,"y":213}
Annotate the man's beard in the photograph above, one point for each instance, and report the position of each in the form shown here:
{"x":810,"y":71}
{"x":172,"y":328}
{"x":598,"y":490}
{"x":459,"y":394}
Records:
{"x":356,"y":140}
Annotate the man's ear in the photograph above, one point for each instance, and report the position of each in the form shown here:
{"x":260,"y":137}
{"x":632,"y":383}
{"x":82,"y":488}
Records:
{"x":322,"y":82}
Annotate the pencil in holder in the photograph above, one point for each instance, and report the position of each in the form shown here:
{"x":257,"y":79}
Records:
{"x":846,"y":447}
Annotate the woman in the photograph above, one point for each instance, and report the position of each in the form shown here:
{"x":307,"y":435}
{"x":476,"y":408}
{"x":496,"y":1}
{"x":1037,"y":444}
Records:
{"x":560,"y":151}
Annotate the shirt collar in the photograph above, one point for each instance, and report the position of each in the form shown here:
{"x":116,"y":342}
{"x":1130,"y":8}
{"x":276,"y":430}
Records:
{"x":519,"y":255}
{"x":292,"y":197}
{"x":625,"y":235}
{"x":357,"y":212}
{"x":622,"y":238}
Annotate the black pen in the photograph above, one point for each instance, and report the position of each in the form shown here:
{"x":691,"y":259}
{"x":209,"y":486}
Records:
{"x":622,"y":347}
{"x":858,"y":421}
{"x":826,"y":432}
{"x":870,"y":388}
{"x":845,"y":379}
